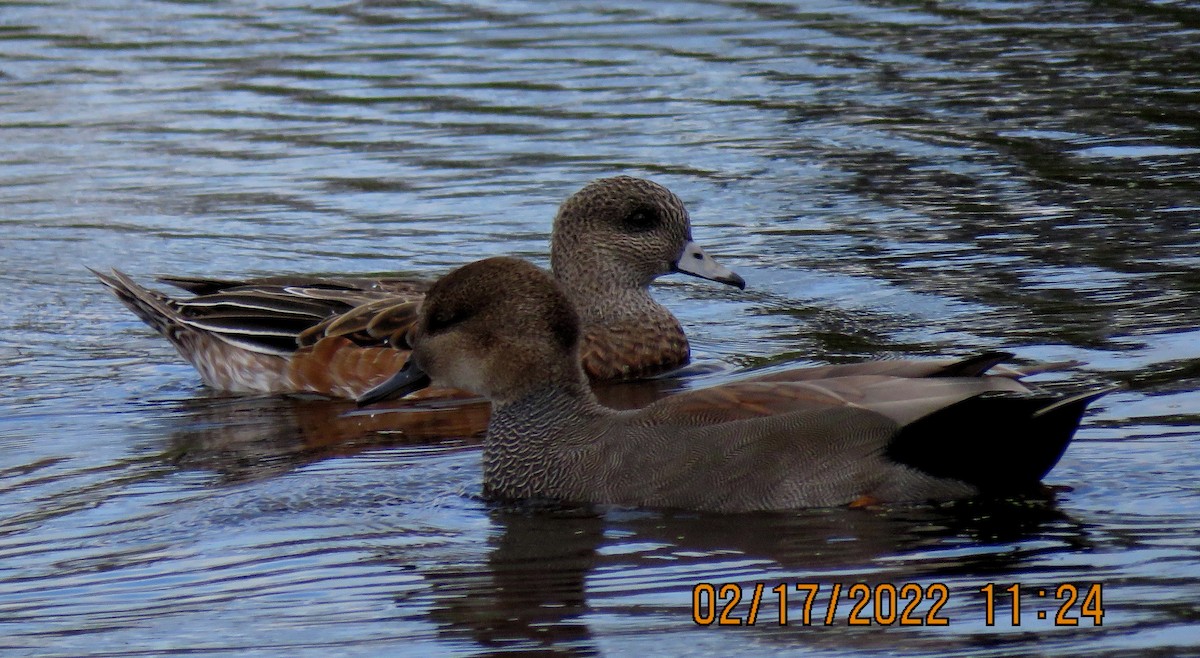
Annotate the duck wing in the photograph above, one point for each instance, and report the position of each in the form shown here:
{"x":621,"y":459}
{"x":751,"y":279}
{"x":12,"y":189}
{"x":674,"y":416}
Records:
{"x":276,"y":315}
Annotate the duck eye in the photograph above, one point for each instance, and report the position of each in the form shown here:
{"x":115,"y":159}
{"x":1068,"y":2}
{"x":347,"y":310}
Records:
{"x":641,"y":218}
{"x":443,"y":319}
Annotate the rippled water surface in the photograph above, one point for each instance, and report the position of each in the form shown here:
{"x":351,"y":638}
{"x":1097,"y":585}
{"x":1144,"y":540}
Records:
{"x":891,"y":178}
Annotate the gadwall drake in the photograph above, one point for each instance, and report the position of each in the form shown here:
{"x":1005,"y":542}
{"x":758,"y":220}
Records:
{"x":506,"y":330}
{"x":341,"y":336}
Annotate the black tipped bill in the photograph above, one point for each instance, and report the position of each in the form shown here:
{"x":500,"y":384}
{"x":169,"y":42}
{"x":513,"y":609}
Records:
{"x":695,"y":262}
{"x":409,"y":379}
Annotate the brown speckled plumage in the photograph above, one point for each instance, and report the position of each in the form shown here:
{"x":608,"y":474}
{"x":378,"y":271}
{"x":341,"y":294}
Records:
{"x":838,"y":437}
{"x":342,"y":336}
{"x":630,"y":352}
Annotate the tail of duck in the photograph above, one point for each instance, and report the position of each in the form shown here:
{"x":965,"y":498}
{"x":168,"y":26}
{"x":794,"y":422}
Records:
{"x":995,"y":441}
{"x":155,"y":309}
{"x":225,"y":361}
{"x":973,"y":366}
{"x":985,"y":363}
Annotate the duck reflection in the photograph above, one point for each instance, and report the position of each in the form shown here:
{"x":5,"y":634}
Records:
{"x":529,"y":594}
{"x":549,"y":572}
{"x":244,"y":438}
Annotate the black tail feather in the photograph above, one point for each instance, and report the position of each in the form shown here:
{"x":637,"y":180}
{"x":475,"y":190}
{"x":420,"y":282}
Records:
{"x":974,"y":366}
{"x":197,"y":285}
{"x":995,"y":441}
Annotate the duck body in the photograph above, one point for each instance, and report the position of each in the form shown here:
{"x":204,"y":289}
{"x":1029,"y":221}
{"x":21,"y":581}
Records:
{"x":342,"y":336}
{"x":838,"y":436}
{"x":770,"y":446}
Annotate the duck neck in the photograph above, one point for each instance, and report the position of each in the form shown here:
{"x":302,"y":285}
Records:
{"x":528,"y":436}
{"x":628,"y":335}
{"x":614,"y":298}
{"x":599,"y":283}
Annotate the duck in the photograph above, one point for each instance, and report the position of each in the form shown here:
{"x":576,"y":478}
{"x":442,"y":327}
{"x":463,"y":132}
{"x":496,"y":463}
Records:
{"x":341,"y":336}
{"x":507,"y":330}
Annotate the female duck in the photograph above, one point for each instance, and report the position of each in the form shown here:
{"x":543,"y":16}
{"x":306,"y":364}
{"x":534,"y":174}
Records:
{"x":341,"y":336}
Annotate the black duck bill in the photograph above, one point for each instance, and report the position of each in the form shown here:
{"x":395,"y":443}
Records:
{"x":409,"y":379}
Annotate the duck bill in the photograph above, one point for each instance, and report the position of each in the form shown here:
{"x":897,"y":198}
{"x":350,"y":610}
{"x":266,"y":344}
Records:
{"x":409,"y":380}
{"x":695,"y":262}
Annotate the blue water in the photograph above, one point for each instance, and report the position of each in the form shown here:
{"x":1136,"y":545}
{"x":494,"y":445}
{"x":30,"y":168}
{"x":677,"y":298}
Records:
{"x":891,"y":179}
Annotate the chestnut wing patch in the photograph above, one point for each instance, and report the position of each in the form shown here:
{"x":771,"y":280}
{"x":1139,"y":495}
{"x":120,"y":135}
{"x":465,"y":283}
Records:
{"x":741,"y":401}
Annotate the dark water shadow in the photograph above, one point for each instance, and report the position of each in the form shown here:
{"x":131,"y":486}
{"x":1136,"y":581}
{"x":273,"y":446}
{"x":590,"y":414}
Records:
{"x":252,"y":438}
{"x":547,"y":569}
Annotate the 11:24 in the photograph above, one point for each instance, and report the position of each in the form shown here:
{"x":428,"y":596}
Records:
{"x":1068,"y":593}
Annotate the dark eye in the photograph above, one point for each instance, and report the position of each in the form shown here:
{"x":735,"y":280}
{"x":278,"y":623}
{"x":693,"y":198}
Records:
{"x":444,"y":318}
{"x":642,"y":218}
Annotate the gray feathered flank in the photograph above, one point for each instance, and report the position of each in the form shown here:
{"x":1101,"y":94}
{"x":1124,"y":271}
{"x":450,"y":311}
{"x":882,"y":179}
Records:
{"x":813,"y":438}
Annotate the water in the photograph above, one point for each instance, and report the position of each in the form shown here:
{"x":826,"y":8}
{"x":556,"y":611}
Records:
{"x":891,"y":179}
